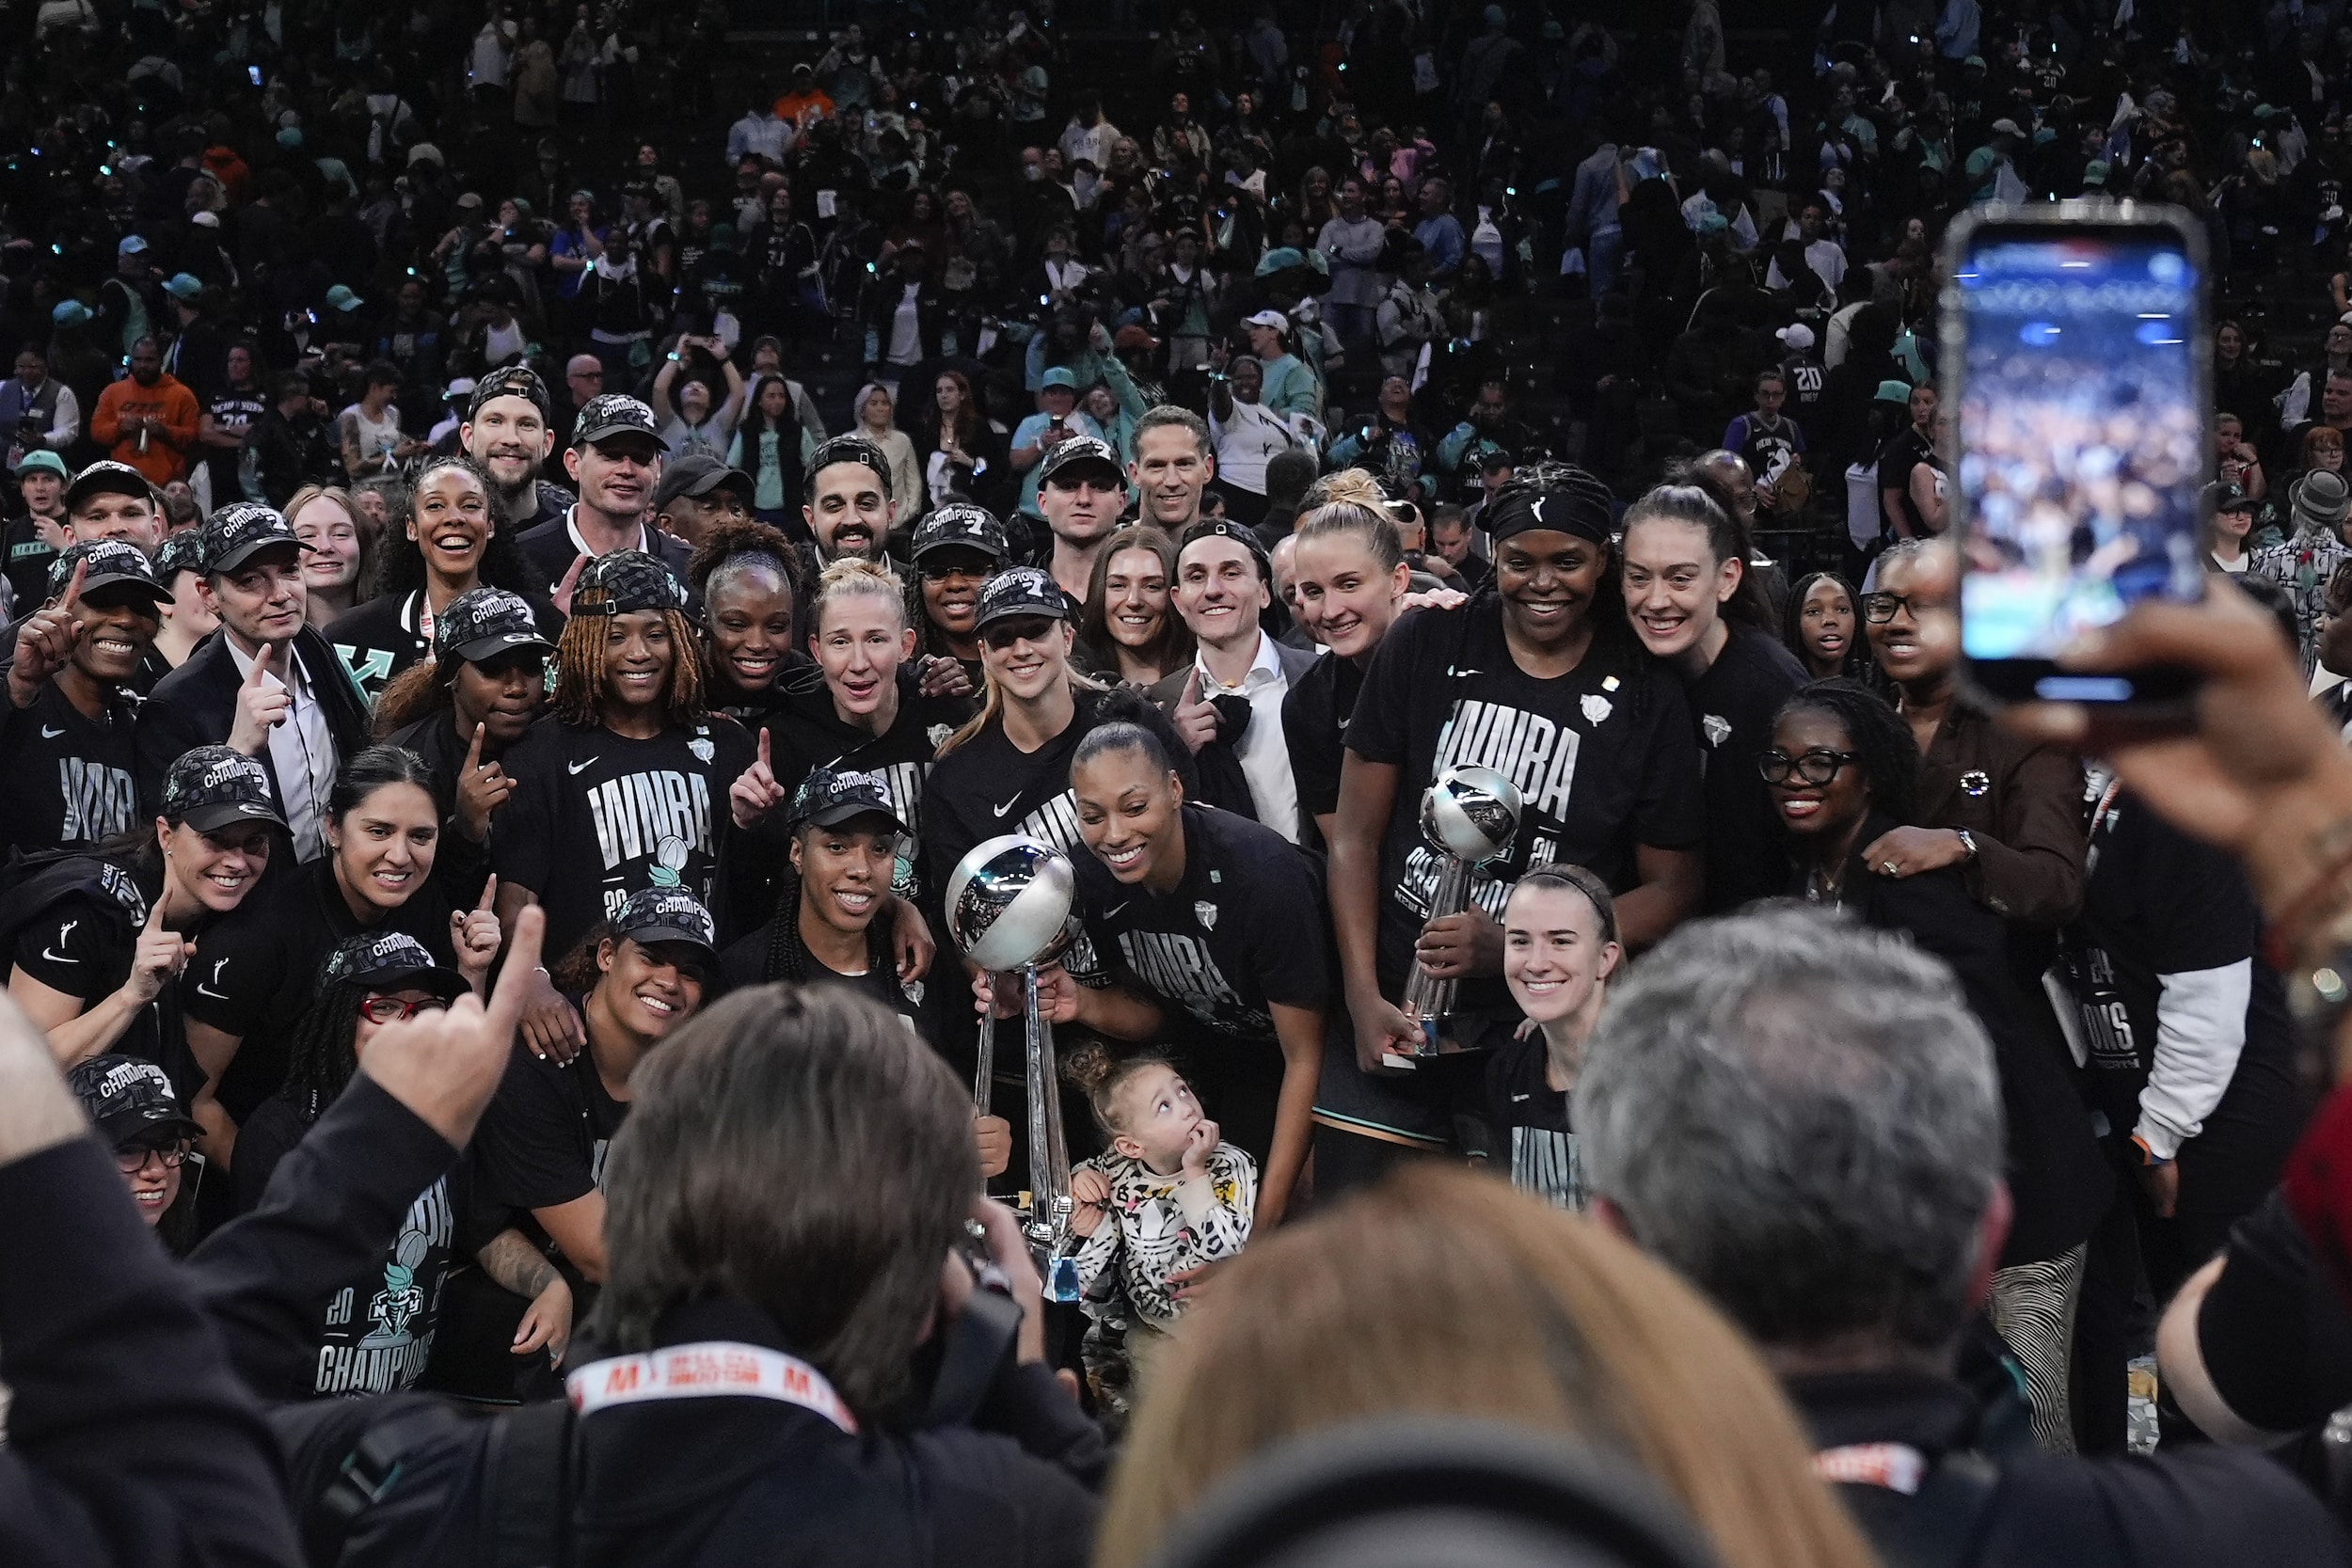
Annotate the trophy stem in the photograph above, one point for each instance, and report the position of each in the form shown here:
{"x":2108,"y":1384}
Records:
{"x":1050,"y":1206}
{"x":1427,"y":1001}
{"x":984,"y":1072}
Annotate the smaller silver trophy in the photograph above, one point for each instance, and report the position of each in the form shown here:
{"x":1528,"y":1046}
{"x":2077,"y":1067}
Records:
{"x":1009,"y":908}
{"x":1469,"y":817}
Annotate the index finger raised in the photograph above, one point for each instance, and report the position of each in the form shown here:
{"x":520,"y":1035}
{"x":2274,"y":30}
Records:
{"x":1192,"y":688}
{"x":489,"y":893}
{"x":73,"y":588}
{"x":474,"y":749}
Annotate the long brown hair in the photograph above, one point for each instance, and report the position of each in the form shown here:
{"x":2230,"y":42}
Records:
{"x":1173,"y":648}
{"x":1443,"y":1294}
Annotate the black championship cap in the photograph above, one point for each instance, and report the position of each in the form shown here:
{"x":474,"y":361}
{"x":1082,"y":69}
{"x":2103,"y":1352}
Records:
{"x":111,"y":564}
{"x":627,"y":580}
{"x":1021,"y":590}
{"x":962,"y":525}
{"x":666,"y":914}
{"x":233,"y":534}
{"x":1076,"y":454}
{"x":832,"y":796}
{"x":129,"y":1100}
{"x":182,"y":552}
{"x":696,"y":475}
{"x":108,"y":478}
{"x":511,"y":381}
{"x":613,"y":414}
{"x":483,"y":622}
{"x":212,"y":786}
{"x":390,"y":960}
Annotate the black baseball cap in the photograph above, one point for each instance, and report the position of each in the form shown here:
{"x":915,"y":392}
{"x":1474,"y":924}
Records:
{"x":832,"y":796}
{"x":212,"y":786}
{"x":697,"y":474}
{"x":182,"y":552}
{"x":2225,"y":496}
{"x":666,"y":914}
{"x":107,"y":477}
{"x":390,"y":960}
{"x":1225,"y":528}
{"x":112,"y":565}
{"x":511,"y":381}
{"x":483,"y":622}
{"x":235,"y":532}
{"x":849,"y":449}
{"x":1021,"y":590}
{"x":961,"y":525}
{"x":613,"y":414}
{"x":1073,"y":450}
{"x":627,"y":580}
{"x":129,"y":1100}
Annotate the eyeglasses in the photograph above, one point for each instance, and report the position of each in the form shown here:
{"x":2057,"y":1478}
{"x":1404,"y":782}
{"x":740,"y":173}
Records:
{"x":1814,"y":768}
{"x":1001,"y":635}
{"x":1878,"y":608}
{"x":392,"y":1009}
{"x":968,"y":571}
{"x":130,"y":1161}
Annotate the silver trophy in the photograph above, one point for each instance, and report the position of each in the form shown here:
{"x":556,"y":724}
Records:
{"x":1469,"y":817}
{"x":1009,"y":908}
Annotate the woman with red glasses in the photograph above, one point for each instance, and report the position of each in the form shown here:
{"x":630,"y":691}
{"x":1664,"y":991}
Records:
{"x":375,"y":1333}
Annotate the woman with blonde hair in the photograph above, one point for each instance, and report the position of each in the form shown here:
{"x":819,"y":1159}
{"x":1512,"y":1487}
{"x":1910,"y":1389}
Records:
{"x":1442,"y":1293}
{"x":878,"y":421}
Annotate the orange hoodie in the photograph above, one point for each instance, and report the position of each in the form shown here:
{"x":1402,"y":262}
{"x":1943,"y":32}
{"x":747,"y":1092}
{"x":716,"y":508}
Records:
{"x":165,"y":457}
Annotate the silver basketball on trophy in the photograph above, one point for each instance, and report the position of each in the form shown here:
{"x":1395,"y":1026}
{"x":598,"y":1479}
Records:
{"x":1009,"y":902}
{"x":1471,"y":814}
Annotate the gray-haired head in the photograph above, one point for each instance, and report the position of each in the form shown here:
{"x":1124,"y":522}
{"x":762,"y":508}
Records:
{"x":1802,"y":1117}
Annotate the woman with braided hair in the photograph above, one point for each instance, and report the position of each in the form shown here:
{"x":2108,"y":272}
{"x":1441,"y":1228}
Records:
{"x":842,"y":854}
{"x":377,"y":1335}
{"x":624,"y":786}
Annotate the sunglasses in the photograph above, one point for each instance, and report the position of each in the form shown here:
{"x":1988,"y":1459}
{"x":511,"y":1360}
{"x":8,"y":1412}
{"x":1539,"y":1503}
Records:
{"x":392,"y":1009}
{"x":1813,"y":767}
{"x":967,"y":571}
{"x":1001,"y":635}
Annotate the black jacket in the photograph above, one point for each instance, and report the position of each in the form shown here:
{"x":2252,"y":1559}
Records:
{"x":712,"y":1481}
{"x":131,"y":1441}
{"x":549,"y":549}
{"x":196,"y":705}
{"x":2185,"y":1509}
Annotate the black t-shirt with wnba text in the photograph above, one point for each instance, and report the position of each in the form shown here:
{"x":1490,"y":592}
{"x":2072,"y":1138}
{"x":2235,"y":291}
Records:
{"x":65,"y":780}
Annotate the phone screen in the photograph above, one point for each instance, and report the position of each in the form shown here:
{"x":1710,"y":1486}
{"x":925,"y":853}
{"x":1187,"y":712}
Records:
{"x":2082,"y":446}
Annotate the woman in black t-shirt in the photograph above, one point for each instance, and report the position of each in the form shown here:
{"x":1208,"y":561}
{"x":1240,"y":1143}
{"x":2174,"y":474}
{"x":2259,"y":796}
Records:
{"x":98,"y":938}
{"x":749,"y":578}
{"x":1700,"y":613}
{"x":1540,"y":678}
{"x":461,"y":712}
{"x":1558,"y":949}
{"x":453,"y":542}
{"x":377,"y":1331}
{"x":624,"y":786}
{"x":1351,"y":578}
{"x":256,"y":975}
{"x":1204,"y":924}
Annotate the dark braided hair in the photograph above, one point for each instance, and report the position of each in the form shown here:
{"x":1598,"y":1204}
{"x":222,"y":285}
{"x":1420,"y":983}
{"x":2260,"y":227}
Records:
{"x":583,"y":686}
{"x":1882,"y":736}
{"x":401,"y":567}
{"x":787,"y":954}
{"x":321,"y":1059}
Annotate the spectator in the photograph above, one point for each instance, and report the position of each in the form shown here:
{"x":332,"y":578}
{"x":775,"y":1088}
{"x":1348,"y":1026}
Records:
{"x":148,"y":419}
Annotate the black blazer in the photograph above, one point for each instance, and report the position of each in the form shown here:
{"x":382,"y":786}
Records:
{"x":549,"y":549}
{"x":196,"y":705}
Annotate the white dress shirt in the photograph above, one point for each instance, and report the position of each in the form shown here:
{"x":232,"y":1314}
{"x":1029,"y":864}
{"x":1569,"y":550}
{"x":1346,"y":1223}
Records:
{"x":301,"y":753}
{"x":1264,"y":753}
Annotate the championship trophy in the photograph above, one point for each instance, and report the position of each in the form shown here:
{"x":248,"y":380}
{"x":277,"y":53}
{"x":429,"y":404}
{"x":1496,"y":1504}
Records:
{"x":1009,"y":908}
{"x":1469,"y":817}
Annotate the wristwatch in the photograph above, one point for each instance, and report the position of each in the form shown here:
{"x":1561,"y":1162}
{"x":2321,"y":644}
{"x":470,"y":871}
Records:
{"x":1967,"y":844}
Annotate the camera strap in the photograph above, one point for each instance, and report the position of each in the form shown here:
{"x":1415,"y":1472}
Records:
{"x":708,"y":1368}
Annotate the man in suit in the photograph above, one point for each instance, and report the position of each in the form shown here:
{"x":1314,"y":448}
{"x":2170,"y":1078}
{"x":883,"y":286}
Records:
{"x":1224,"y":584}
{"x":616,"y":457}
{"x":268,"y":685}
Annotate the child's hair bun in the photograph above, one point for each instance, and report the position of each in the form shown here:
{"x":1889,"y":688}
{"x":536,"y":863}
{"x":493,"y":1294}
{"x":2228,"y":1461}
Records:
{"x":1086,"y":1067}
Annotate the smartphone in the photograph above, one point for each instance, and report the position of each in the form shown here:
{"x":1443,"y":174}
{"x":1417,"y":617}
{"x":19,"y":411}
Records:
{"x":2074,"y":352}
{"x":253,"y":74}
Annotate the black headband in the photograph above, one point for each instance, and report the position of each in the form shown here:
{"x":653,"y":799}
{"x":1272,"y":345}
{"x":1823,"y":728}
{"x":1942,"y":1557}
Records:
{"x":1560,"y":511}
